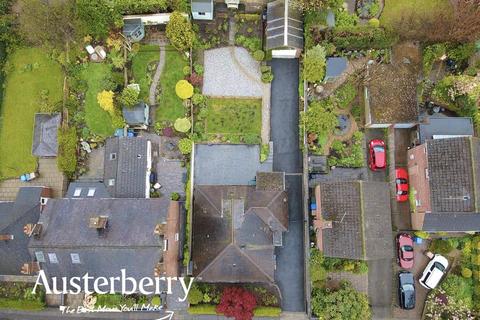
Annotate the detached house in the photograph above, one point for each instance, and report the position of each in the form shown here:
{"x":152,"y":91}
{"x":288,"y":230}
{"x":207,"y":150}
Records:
{"x":103,"y":236}
{"x":352,"y":220}
{"x":444,"y":184}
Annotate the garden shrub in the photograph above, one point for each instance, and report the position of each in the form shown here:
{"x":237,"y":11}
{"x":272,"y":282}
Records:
{"x":179,"y":31}
{"x":267,"y":77}
{"x":199,"y":99}
{"x":195,"y":296}
{"x":237,"y":302}
{"x":317,"y":270}
{"x":458,"y":289}
{"x":345,"y":95}
{"x":466,"y":273}
{"x":97,"y":17}
{"x":252,"y":44}
{"x":186,"y":70}
{"x":344,"y":19}
{"x":184,"y":89}
{"x":362,"y":37}
{"x":156,"y":301}
{"x":105,"y":100}
{"x":264,"y":152}
{"x":431,"y":54}
{"x":440,"y":246}
{"x":319,"y":118}
{"x":128,"y":97}
{"x":374,"y":22}
{"x":67,"y":151}
{"x":351,"y":157}
{"x":422,"y":234}
{"x":198,"y":69}
{"x":182,"y":125}
{"x":461,"y":52}
{"x":314,"y":64}
{"x":259,"y":55}
{"x":185,"y":145}
{"x":175,"y":196}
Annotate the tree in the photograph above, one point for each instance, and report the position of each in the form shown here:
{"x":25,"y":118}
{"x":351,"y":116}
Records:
{"x":314,"y":64}
{"x":195,"y":296}
{"x":319,"y":118}
{"x":185,"y":145}
{"x":238,"y":303}
{"x":466,"y":22}
{"x":98,"y":16}
{"x":182,"y":125}
{"x":343,"y":303}
{"x":48,"y":22}
{"x":105,"y":100}
{"x":184,"y":89}
{"x":179,"y":31}
{"x":67,"y":151}
{"x":128,"y":97}
{"x":315,"y":5}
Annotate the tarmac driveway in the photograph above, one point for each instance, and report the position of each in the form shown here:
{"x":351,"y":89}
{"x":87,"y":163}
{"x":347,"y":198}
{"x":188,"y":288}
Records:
{"x":287,"y":157}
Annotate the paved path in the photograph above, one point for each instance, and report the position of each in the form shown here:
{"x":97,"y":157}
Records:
{"x":49,"y":176}
{"x":231,"y":31}
{"x":287,"y":157}
{"x":156,"y":78}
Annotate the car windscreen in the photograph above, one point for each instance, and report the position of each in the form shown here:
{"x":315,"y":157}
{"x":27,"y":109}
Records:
{"x":407,"y":248}
{"x":408,"y":287}
{"x":439,"y":266}
{"x":378,"y":149}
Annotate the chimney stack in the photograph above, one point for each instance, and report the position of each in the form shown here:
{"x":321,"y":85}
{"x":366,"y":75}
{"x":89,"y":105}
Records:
{"x":33,"y":229}
{"x":30,"y":268}
{"x":98,"y":222}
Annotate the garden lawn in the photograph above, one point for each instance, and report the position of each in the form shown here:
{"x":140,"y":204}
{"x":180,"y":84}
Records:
{"x":146,"y":55}
{"x":98,"y":120}
{"x":394,"y":9}
{"x":234,"y":117}
{"x":16,"y":304}
{"x":31,"y":71}
{"x":170,"y":106}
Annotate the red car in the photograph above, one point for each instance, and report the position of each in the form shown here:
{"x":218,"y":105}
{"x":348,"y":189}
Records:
{"x":377,"y":160}
{"x":405,"y":250}
{"x":401,"y":184}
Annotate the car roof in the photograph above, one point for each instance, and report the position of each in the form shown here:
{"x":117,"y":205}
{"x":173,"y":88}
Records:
{"x":439,"y":258}
{"x":434,"y":278}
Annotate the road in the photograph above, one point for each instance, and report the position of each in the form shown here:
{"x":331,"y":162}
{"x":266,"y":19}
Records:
{"x":287,"y":158}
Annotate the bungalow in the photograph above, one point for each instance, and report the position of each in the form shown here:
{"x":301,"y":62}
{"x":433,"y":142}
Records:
{"x":352,"y":220}
{"x":444,"y":183}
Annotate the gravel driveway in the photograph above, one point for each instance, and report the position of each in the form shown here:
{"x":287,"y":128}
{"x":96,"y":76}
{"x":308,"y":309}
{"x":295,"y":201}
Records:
{"x":231,"y":72}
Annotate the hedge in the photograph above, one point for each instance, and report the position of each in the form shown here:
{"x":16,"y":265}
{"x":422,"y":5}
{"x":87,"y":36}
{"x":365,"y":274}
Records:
{"x":210,"y":309}
{"x":67,"y":151}
{"x":203,"y":309}
{"x":362,"y":37}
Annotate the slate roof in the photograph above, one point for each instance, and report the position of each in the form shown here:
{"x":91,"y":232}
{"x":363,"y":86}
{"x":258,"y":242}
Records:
{"x":128,"y":168}
{"x":84,"y":187}
{"x":234,"y":228}
{"x":227,"y":164}
{"x":45,"y":142}
{"x":284,"y":26}
{"x":450,"y":172}
{"x":130,"y":25}
{"x":135,"y":115}
{"x":128,"y":239}
{"x":452,"y":222}
{"x":446,"y":126}
{"x":360,"y":216}
{"x":202,"y":6}
{"x":13,"y":217}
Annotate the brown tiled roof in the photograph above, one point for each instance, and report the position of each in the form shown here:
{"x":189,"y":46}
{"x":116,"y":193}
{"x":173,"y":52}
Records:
{"x":360,"y":216}
{"x":171,"y":256}
{"x":233,"y":229}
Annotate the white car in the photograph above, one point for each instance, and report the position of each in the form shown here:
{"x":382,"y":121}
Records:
{"x":434,"y":272}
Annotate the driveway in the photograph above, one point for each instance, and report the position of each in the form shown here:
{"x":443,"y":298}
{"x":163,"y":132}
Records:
{"x":371,"y":134}
{"x":287,"y":157}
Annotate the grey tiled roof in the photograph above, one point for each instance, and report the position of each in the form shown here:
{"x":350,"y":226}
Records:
{"x":223,"y":164}
{"x":128,"y":242}
{"x":45,"y":142}
{"x":277,"y":18}
{"x":233,"y":228}
{"x":335,"y":67}
{"x":85,"y":187}
{"x":360,"y":216}
{"x":452,"y":222}
{"x":128,"y":168}
{"x":135,"y":115}
{"x":202,"y":5}
{"x":13,"y":216}
{"x":450,"y":171}
{"x":431,"y":126}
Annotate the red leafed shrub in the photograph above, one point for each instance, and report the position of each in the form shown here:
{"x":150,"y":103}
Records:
{"x":195,"y":79}
{"x":168,"y":132}
{"x":238,"y":303}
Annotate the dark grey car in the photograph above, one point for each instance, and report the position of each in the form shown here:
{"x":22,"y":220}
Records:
{"x":406,"y":290}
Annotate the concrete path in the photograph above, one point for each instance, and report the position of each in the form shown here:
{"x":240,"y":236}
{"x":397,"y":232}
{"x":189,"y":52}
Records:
{"x":289,"y":274}
{"x":231,"y":31}
{"x":156,"y":78}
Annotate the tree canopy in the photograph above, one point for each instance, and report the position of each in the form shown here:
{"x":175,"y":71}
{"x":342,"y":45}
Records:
{"x":314,"y":64}
{"x":179,"y":31}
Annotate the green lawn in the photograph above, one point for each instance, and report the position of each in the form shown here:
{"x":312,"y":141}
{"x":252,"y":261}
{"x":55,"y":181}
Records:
{"x":98,"y":120}
{"x":240,"y":120}
{"x":15,"y":304}
{"x":30,"y":72}
{"x":170,"y":106}
{"x":395,"y":9}
{"x":146,"y":55}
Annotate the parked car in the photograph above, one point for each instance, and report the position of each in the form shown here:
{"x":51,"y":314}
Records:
{"x":377,"y":159}
{"x":405,"y":250}
{"x":406,"y":290}
{"x":401,"y":184}
{"x":434,"y":272}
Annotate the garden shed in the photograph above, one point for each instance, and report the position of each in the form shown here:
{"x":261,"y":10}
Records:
{"x":138,"y":116}
{"x":133,"y":29}
{"x":284,"y":30}
{"x":202,"y":9}
{"x":335,"y":68}
{"x":45,"y":143}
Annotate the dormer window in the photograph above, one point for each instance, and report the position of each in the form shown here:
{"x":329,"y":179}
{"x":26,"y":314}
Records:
{"x":52,"y":257}
{"x":39,"y":256}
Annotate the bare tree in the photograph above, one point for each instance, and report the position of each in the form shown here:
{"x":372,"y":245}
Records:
{"x":465,"y":26}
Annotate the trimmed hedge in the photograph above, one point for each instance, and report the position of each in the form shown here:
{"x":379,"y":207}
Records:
{"x":362,"y":37}
{"x":210,"y":309}
{"x":203,"y":309}
{"x":67,"y":151}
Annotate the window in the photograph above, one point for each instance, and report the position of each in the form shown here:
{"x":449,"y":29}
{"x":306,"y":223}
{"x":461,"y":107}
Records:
{"x":53,"y":258}
{"x":176,"y":236}
{"x":426,"y":174}
{"x":91,"y":192}
{"x":40,"y":256}
{"x":77,"y":192}
{"x":418,"y":203}
{"x":111,"y":182}
{"x":75,"y":258}
{"x":165,"y":245}
{"x":113,"y":156}
{"x":43,"y":201}
{"x":201,"y":13}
